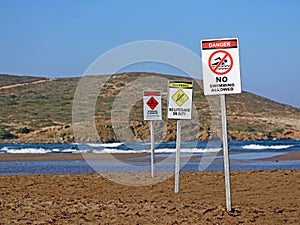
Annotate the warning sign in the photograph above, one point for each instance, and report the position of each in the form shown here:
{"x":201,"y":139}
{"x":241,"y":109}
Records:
{"x":221,"y":66}
{"x":180,"y":100}
{"x":180,"y":97}
{"x":152,"y":105}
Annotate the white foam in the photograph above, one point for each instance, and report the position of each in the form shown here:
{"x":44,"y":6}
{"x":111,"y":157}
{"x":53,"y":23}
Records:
{"x":200,"y":150}
{"x":28,"y":150}
{"x":188,"y":150}
{"x":114,"y":151}
{"x":163,"y":150}
{"x":4,"y":149}
{"x":69,"y":151}
{"x":111,"y":145}
{"x":55,"y":150}
{"x":259,"y":147}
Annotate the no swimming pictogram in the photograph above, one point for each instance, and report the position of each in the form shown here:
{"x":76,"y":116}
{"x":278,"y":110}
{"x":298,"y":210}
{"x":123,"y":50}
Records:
{"x":220,"y":62}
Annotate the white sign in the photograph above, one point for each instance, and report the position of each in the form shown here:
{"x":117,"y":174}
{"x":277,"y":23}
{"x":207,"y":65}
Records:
{"x":152,"y":105}
{"x":221,"y":66}
{"x":180,"y":100}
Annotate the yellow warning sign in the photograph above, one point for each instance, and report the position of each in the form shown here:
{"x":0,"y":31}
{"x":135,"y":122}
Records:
{"x":180,"y":97}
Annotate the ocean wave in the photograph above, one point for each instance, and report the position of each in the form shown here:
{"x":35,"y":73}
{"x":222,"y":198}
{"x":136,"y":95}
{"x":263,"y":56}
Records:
{"x":260,"y":147}
{"x":106,"y":150}
{"x":162,"y":150}
{"x":40,"y":150}
{"x":26,"y":150}
{"x":4,"y":149}
{"x":117,"y":151}
{"x":188,"y":150}
{"x":70,"y":150}
{"x":105,"y":145}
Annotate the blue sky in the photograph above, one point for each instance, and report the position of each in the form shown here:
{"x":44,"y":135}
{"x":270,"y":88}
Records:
{"x":61,"y":38}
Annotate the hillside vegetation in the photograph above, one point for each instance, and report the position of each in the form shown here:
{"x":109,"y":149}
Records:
{"x":40,"y":110}
{"x":6,"y":79}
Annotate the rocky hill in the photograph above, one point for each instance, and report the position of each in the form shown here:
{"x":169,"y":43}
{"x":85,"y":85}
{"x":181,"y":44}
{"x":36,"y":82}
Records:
{"x":40,"y":110}
{"x":7,"y":81}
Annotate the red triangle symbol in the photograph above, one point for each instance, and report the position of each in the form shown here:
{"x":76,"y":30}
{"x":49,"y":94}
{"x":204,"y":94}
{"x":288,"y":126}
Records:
{"x":152,"y":103}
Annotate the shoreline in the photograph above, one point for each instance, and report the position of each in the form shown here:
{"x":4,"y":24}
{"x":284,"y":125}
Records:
{"x":285,"y":157}
{"x":23,"y":157}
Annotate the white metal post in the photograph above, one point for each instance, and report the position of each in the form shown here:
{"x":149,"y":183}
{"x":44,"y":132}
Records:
{"x":177,"y":163}
{"x":225,"y":153}
{"x":152,"y":148}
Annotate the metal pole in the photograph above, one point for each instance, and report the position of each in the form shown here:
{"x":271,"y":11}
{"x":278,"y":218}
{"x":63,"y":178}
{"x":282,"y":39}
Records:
{"x":152,"y":148}
{"x":225,"y":152}
{"x":177,"y":163}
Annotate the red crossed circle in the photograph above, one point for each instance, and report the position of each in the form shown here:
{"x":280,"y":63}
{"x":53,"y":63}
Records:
{"x":214,"y":70}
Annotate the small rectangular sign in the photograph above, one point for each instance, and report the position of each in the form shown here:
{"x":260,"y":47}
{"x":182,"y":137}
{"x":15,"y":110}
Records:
{"x":152,"y":105}
{"x":180,"y":100}
{"x":221,"y":66}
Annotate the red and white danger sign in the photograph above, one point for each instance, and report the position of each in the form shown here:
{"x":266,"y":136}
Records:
{"x":152,"y":105}
{"x":221,"y":66}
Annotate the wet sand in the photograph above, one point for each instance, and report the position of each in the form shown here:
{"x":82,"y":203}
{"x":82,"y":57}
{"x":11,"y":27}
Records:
{"x":121,"y":156}
{"x":288,"y":156}
{"x":65,"y":156}
{"x":258,"y":197}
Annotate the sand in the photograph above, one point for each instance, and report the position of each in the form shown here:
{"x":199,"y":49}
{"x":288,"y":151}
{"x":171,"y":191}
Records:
{"x":121,"y":156}
{"x":288,"y":156}
{"x":258,"y":197}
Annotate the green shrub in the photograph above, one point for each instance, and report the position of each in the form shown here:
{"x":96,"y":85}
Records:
{"x":63,"y":134}
{"x":250,"y":129}
{"x":23,"y":130}
{"x":6,"y":135}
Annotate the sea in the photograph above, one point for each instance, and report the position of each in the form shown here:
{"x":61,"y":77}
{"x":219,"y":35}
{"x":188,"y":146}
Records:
{"x":196,"y":157}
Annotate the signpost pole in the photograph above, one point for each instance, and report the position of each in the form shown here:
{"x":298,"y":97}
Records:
{"x":180,"y":108}
{"x":152,"y":148}
{"x":177,"y":162}
{"x":225,"y":152}
{"x":152,"y":111}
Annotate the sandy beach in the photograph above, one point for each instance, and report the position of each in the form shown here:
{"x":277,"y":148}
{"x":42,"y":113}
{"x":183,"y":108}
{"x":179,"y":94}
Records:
{"x":258,"y":197}
{"x":121,"y":156}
